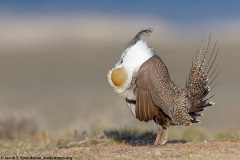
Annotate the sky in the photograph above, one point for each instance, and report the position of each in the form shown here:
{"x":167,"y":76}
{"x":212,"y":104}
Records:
{"x":175,"y":11}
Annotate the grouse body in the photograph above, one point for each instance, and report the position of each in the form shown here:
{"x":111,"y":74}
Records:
{"x":142,"y":78}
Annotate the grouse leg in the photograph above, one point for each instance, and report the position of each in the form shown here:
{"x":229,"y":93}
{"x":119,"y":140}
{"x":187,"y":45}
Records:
{"x":161,"y":138}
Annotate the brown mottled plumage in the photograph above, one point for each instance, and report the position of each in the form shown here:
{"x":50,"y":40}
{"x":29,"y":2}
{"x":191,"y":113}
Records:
{"x":152,"y":95}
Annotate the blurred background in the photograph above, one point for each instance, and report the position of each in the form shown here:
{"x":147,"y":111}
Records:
{"x":55,"y":56}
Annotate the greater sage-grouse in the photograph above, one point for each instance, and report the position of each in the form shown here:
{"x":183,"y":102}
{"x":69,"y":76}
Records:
{"x":143,"y":80}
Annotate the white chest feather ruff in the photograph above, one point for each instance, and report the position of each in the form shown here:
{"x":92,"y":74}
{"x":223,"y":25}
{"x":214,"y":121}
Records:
{"x":131,"y":60}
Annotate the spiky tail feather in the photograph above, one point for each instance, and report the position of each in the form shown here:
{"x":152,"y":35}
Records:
{"x":201,"y":76}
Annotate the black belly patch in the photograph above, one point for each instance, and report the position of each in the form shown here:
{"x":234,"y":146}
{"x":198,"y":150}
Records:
{"x":131,"y":101}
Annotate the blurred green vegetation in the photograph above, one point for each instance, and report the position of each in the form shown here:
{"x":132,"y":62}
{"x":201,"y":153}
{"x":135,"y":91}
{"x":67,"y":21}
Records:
{"x":231,"y":134}
{"x":24,"y":135}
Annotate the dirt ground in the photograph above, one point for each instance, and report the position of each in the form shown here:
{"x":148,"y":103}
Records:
{"x":173,"y":150}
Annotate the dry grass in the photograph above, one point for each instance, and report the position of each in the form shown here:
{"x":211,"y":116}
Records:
{"x":21,"y":133}
{"x":184,"y":143}
{"x":109,"y":149}
{"x":18,"y":127}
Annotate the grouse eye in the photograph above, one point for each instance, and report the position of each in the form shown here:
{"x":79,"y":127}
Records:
{"x":119,"y":77}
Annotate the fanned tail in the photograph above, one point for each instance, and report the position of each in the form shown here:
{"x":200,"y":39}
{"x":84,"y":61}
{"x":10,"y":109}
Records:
{"x":202,"y":75}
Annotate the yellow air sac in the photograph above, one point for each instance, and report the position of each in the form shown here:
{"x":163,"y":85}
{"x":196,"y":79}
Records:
{"x":119,"y":76}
